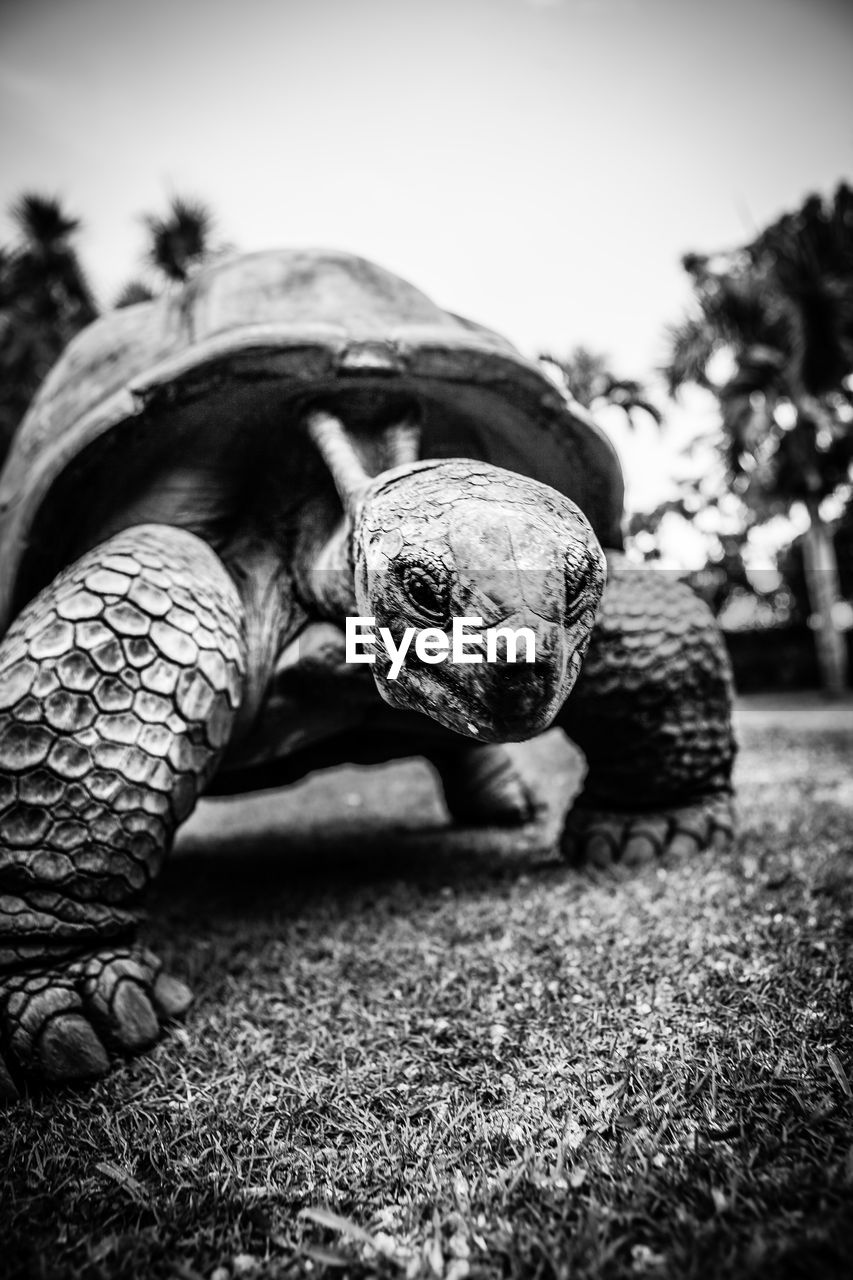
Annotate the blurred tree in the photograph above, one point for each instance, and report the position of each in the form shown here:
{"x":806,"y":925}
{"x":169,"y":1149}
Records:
{"x":45,"y":299}
{"x":779,"y":313}
{"x":179,"y":243}
{"x":643,"y":527}
{"x":589,"y":379}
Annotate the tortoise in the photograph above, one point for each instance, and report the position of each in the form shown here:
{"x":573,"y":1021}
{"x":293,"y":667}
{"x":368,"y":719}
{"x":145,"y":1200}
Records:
{"x":206,"y":491}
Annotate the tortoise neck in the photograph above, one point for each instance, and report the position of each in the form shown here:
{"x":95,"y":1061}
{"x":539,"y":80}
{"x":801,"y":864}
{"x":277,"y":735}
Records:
{"x":330,"y":580}
{"x":328,"y":585}
{"x":322,"y":558}
{"x":257,"y":569}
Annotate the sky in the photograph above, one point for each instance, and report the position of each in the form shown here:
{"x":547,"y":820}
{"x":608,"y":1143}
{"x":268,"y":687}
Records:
{"x":538,"y":165}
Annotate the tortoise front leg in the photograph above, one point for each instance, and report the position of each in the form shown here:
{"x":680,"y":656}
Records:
{"x":119,"y":686}
{"x":652,"y":711}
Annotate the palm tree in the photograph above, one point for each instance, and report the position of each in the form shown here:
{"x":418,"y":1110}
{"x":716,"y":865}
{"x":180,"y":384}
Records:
{"x":45,"y":299}
{"x":588,"y":378}
{"x":781,"y":309}
{"x":180,"y":241}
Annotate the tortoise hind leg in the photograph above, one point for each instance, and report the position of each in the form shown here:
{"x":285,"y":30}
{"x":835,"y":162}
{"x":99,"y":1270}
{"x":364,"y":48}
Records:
{"x":482,"y":786}
{"x":652,"y":713}
{"x":119,"y":686}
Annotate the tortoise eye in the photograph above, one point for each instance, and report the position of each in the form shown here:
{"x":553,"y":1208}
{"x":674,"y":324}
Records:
{"x":426,"y":591}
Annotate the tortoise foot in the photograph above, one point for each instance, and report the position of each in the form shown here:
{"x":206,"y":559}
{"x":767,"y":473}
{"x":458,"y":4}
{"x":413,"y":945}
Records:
{"x":482,"y":787}
{"x":610,"y":838}
{"x":60,"y":1025}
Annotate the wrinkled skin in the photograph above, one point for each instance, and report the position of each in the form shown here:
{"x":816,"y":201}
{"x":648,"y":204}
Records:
{"x":451,"y":540}
{"x":129,"y":679}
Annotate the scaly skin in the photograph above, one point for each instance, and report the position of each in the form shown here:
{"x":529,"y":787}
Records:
{"x":482,"y":786}
{"x":119,"y":686}
{"x":652,"y":713}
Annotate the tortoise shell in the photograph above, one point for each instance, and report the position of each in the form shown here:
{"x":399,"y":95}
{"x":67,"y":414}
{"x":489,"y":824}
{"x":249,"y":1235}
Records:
{"x":237,"y":355}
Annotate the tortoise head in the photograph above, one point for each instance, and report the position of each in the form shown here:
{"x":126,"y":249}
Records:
{"x":509,"y":565}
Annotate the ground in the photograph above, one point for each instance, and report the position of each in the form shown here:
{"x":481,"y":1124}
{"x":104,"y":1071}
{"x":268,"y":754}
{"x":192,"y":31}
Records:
{"x":418,"y":1051}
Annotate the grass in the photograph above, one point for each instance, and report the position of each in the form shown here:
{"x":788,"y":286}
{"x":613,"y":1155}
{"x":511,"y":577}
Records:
{"x":424,"y":1052}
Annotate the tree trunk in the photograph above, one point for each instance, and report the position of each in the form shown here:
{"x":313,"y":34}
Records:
{"x":821,"y":569}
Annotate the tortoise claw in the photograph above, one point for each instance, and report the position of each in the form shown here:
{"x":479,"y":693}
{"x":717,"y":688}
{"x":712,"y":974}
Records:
{"x":116,"y":990}
{"x":606,"y":839}
{"x":61,"y":1024}
{"x":172,"y":997}
{"x":69,"y":1050}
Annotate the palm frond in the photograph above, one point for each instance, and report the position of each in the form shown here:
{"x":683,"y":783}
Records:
{"x":131,"y":293}
{"x":587,"y":376}
{"x":584,"y":372}
{"x":181,"y":239}
{"x":629,"y":395}
{"x":692,"y":345}
{"x":41,"y":221}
